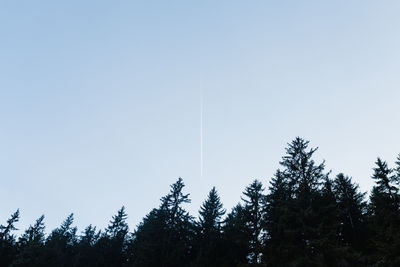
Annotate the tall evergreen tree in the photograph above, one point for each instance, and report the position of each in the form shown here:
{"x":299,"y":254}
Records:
{"x":165,"y":236}
{"x":351,"y":208}
{"x":325,"y":246}
{"x":276,"y":209}
{"x":208,"y":237}
{"x":301,"y":219}
{"x":8,"y":249}
{"x":303,"y":175}
{"x":88,"y":250}
{"x":146,"y":248}
{"x":254,"y":200}
{"x":31,"y":245}
{"x":60,"y":244}
{"x":210,"y":214}
{"x":113,"y":242}
{"x":236,"y":238}
{"x":384,"y":217}
{"x":386,"y":182}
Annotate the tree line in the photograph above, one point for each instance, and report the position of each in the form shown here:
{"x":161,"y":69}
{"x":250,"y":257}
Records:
{"x":303,"y":218}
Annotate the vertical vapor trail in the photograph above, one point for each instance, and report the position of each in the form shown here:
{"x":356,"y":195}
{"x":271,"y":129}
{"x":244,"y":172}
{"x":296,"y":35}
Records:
{"x":201,"y":133}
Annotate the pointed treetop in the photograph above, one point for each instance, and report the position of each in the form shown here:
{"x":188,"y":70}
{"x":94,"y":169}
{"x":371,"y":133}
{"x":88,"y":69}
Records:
{"x":6,"y":230}
{"x":211,"y":212}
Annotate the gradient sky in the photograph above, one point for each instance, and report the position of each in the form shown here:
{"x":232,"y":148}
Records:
{"x":100,"y":100}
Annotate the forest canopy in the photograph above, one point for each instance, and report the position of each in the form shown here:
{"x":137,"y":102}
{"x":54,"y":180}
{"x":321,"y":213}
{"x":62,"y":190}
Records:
{"x":304,"y":216}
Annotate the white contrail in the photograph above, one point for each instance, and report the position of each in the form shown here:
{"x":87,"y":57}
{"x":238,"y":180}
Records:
{"x":201,"y":133}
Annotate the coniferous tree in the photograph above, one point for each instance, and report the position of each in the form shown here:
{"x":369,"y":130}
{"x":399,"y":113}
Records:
{"x":325,"y":245}
{"x":253,"y":211}
{"x":117,"y":233}
{"x":384,"y":217}
{"x":113,"y":242}
{"x":31,"y":245}
{"x":385,"y":182}
{"x":242,"y":231}
{"x":8,"y":248}
{"x":165,"y":236}
{"x":208,"y":240}
{"x":236,"y":238}
{"x":351,"y":208}
{"x":88,"y":251}
{"x":34,"y":234}
{"x":146,"y":248}
{"x":301,"y":221}
{"x":60,"y":244}
{"x":210,"y":214}
{"x":276,"y":209}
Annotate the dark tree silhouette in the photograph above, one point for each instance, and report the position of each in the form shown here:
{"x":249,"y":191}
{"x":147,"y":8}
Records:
{"x":165,"y":237}
{"x":236,"y":238}
{"x":253,"y":211}
{"x":114,"y":241}
{"x":384,"y":217}
{"x":276,"y":212}
{"x":31,"y":245}
{"x":351,"y":212}
{"x":304,"y":219}
{"x":208,"y":240}
{"x":301,"y":220}
{"x":61,"y":243}
{"x":8,"y":249}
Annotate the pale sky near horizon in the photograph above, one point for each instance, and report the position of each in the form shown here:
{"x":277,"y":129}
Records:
{"x":100,"y":100}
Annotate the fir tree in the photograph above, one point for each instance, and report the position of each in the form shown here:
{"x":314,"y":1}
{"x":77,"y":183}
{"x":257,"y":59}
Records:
{"x":113,"y":242}
{"x":31,"y":245}
{"x":351,"y":208}
{"x":301,"y":219}
{"x":385,"y":182}
{"x":146,"y":248}
{"x":236,"y":238}
{"x":208,"y":237}
{"x":210,"y":214}
{"x":384,"y":217}
{"x":253,"y":210}
{"x":165,"y":236}
{"x":88,"y":252}
{"x":276,"y":209}
{"x":8,"y":248}
{"x":325,"y":247}
{"x":60,"y":244}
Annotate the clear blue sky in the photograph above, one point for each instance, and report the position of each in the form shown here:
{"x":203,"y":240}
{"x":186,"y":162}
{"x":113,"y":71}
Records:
{"x":100,"y":100}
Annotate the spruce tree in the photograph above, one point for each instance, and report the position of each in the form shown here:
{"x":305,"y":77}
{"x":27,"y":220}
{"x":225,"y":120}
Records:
{"x":325,"y":246}
{"x":351,"y":208}
{"x":386,"y":182}
{"x":88,"y":252}
{"x":210,"y":214}
{"x":208,"y":235}
{"x":60,"y":244}
{"x":31,"y":245}
{"x":113,"y":242}
{"x":165,"y":236}
{"x":146,"y":248}
{"x":236,"y":238}
{"x":276,"y":209}
{"x":8,"y":249}
{"x":254,"y":200}
{"x":301,"y":220}
{"x":384,"y":217}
